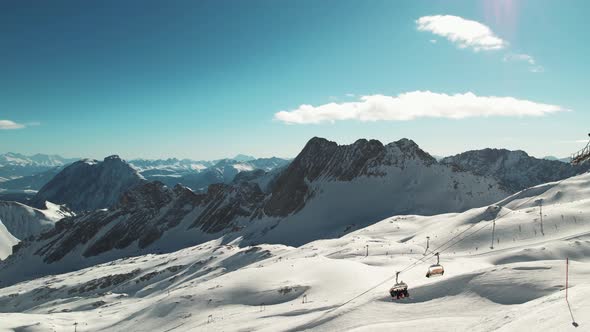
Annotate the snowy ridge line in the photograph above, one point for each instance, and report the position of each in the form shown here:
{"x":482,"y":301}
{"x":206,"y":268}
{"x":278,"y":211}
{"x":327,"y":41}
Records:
{"x":436,"y":250}
{"x":413,"y":265}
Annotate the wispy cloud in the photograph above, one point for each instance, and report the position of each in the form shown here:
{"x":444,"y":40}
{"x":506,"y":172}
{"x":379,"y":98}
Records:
{"x":577,"y":141}
{"x":521,"y":57}
{"x":9,"y":125}
{"x":465,"y":33}
{"x":414,"y":105}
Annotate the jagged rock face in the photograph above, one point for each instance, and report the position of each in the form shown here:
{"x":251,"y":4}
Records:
{"x":225,"y":203}
{"x":247,"y":176}
{"x":322,"y":159}
{"x":89,"y":184}
{"x":137,"y":217}
{"x":514,"y":170}
{"x":144,"y":214}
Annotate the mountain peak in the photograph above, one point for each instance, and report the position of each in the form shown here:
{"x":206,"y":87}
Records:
{"x":113,"y":157}
{"x":243,"y":158}
{"x":316,"y":143}
{"x":90,"y":184}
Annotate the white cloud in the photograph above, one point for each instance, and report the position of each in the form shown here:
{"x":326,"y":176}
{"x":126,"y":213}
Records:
{"x":465,"y":33}
{"x":433,"y":41}
{"x":537,"y":69}
{"x":416,"y":104}
{"x":7,"y":125}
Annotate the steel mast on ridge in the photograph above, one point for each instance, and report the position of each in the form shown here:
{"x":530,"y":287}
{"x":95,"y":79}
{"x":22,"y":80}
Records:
{"x":581,"y":156}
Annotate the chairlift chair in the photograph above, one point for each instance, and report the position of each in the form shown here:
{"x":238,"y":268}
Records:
{"x":399,"y":290}
{"x":435,"y":270}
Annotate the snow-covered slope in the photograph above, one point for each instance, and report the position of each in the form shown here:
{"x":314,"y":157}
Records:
{"x":342,"y":284}
{"x":89,"y":184}
{"x":515,"y":170}
{"x":7,"y":240}
{"x":23,"y":221}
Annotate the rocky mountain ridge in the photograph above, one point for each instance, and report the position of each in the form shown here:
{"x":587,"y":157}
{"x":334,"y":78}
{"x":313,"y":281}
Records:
{"x":515,"y":170}
{"x":326,"y":191}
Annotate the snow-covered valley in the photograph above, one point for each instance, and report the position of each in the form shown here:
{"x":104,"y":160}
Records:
{"x":342,"y":284}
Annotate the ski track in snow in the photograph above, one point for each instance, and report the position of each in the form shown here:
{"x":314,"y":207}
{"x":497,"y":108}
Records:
{"x":517,"y":286}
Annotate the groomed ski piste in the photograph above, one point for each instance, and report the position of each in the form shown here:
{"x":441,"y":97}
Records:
{"x":342,"y":284}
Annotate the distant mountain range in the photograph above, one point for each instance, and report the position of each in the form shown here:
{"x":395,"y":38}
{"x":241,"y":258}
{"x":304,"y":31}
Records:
{"x":41,"y":160}
{"x":16,"y":165}
{"x":197,"y":175}
{"x":22,"y":176}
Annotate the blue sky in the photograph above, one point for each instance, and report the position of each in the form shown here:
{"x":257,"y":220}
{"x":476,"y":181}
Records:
{"x":208,"y":79}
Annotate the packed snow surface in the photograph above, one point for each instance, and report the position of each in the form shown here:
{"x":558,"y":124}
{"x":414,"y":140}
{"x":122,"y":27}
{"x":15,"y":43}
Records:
{"x":342,"y":284}
{"x":7,"y":240}
{"x":23,"y":221}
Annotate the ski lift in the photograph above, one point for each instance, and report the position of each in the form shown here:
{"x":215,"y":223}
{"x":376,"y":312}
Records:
{"x":436,"y":269}
{"x":399,"y":290}
{"x":581,"y":156}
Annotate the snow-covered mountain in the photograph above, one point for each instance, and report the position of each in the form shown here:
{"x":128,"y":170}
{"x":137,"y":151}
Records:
{"x":89,"y":184}
{"x":16,"y":165}
{"x":44,"y":160}
{"x":341,"y":284}
{"x":327,"y":191}
{"x":170,"y":165}
{"x":515,"y":170}
{"x":376,"y":178}
{"x":23,"y":221}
